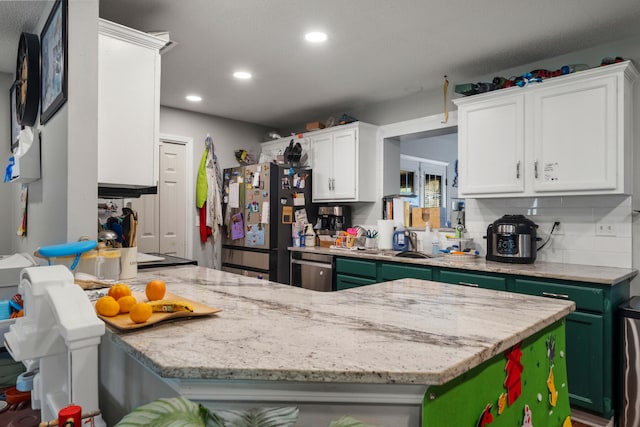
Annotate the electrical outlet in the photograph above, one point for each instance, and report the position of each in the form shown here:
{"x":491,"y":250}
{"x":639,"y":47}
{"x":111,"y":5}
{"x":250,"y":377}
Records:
{"x":605,"y":229}
{"x":558,"y":231}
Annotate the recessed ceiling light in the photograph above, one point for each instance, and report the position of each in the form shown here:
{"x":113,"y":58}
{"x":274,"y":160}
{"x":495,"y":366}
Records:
{"x":242,"y":75}
{"x":316,"y":37}
{"x":194,"y":98}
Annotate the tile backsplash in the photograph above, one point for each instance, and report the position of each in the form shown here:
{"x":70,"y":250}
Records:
{"x":594,"y":230}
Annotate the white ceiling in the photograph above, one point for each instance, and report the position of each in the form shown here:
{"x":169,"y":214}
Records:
{"x":377,"y":49}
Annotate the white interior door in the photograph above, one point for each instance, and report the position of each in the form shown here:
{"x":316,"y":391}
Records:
{"x":148,"y":234}
{"x":172,"y":199}
{"x":162,"y":216}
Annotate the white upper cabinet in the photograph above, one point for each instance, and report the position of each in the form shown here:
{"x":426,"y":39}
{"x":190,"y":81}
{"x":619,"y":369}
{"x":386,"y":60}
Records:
{"x":491,"y":132}
{"x":344,"y":163}
{"x":128,"y":106}
{"x":569,"y":135}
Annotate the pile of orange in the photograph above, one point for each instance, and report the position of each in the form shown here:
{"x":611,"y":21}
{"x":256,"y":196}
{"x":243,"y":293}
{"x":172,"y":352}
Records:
{"x":119,"y":300}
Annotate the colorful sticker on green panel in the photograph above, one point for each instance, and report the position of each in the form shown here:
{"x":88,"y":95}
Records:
{"x":512,"y":389}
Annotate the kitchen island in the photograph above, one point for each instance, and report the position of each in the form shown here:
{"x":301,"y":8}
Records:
{"x":384,"y":353}
{"x":591,"y":329}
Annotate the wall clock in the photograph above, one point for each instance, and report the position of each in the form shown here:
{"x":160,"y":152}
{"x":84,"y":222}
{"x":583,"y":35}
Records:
{"x":28,"y":79}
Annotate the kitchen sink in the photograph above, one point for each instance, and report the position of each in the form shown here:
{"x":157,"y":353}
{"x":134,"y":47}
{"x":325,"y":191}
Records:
{"x":411,"y":254}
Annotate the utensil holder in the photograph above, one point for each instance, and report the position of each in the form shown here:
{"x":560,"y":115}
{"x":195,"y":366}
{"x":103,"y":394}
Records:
{"x":371,"y":243}
{"x":129,"y":263}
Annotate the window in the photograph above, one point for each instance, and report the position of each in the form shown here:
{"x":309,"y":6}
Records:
{"x":432,"y":191}
{"x":406,"y":182}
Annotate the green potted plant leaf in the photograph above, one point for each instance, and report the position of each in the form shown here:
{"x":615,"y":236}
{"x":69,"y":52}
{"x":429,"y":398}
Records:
{"x":181,"y":412}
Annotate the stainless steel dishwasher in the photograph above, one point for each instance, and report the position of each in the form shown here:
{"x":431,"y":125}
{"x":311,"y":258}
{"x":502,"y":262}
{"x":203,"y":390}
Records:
{"x":312,"y":271}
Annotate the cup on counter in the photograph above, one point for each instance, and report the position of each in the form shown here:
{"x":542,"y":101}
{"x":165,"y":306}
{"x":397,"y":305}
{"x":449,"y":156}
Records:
{"x":108,"y":264}
{"x":129,"y":263}
{"x":371,"y":243}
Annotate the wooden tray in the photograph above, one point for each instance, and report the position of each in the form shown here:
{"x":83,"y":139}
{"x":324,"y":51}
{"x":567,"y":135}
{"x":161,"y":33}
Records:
{"x":123,"y":322}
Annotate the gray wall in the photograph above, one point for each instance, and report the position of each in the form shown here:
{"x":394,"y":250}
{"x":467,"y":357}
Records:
{"x":6,"y":193}
{"x":427,"y":103}
{"x":228,"y":136}
{"x":62,"y":204}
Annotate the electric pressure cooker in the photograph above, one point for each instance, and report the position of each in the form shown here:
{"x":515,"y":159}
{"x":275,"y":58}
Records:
{"x":513,"y":239}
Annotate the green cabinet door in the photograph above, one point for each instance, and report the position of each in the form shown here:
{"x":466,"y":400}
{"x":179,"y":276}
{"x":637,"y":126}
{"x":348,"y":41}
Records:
{"x":497,"y":283}
{"x":344,"y":281}
{"x":356,"y":267}
{"x":394,"y":271}
{"x":585,"y":361}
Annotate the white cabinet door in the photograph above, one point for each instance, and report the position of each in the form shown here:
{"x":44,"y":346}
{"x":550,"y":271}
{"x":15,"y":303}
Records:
{"x":575,"y":136}
{"x":322,"y":148}
{"x":128,"y":106}
{"x":345,"y":163}
{"x":491,"y":146}
{"x":570,"y":135}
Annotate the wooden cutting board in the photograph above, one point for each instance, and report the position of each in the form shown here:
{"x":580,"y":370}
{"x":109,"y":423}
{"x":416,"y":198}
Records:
{"x":123,"y":322}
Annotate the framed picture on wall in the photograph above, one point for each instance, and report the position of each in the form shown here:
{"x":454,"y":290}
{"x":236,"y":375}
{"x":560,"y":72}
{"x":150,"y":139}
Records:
{"x":53,"y":62}
{"x":15,"y":126}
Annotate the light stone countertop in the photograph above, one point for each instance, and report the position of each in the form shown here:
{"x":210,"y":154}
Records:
{"x":405,"y":332}
{"x":548,"y":270}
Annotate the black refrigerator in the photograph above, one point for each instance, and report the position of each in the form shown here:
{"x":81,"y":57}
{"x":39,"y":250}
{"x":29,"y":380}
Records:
{"x":260,"y":203}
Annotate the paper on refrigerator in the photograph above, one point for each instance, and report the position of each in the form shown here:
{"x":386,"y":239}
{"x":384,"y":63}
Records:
{"x":234,"y":195}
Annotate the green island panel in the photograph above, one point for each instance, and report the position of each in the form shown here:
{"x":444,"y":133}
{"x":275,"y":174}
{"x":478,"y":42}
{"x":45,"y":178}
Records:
{"x":461,"y":401}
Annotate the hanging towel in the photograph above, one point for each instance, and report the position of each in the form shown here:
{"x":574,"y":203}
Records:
{"x":214,"y":198}
{"x":201,"y":181}
{"x":205,"y":231}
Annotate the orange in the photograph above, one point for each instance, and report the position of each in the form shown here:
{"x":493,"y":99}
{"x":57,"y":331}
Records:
{"x":140,"y":312}
{"x":107,"y":306}
{"x":155,"y":290}
{"x":119,"y":290}
{"x":126,"y":302}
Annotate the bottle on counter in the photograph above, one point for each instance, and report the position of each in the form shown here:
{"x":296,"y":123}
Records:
{"x":310,"y":236}
{"x":427,"y":239}
{"x":435,"y":243}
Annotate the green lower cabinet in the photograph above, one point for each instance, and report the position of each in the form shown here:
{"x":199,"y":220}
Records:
{"x":589,"y":340}
{"x":344,"y":281}
{"x":496,"y":283}
{"x":395,"y":271}
{"x":585,"y":360}
{"x":357,"y":267}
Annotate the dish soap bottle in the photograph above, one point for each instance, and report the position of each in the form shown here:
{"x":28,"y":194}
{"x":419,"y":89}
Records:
{"x":435,"y":243}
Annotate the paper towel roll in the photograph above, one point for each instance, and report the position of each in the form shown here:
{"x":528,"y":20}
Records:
{"x":385,"y":233}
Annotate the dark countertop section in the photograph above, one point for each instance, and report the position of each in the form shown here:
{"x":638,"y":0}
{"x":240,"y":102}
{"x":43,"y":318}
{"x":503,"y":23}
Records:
{"x":168,"y":261}
{"x":550,"y":270}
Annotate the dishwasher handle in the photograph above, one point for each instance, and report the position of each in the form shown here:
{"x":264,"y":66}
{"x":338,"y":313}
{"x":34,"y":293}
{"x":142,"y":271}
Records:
{"x":311,"y":263}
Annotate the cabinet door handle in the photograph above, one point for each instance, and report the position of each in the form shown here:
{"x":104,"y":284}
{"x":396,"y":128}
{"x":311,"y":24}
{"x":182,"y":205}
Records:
{"x":333,"y":184}
{"x":535,"y":168}
{"x":473,"y":285}
{"x":329,"y":184}
{"x":553,"y":295}
{"x":518,"y":170}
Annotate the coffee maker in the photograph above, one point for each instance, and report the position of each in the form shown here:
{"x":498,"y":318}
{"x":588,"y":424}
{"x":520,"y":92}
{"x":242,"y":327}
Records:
{"x":333,"y":219}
